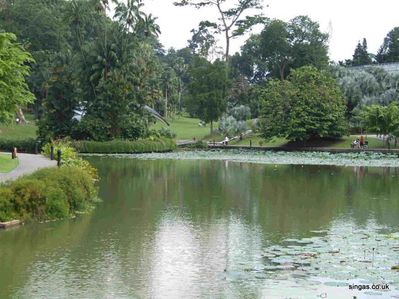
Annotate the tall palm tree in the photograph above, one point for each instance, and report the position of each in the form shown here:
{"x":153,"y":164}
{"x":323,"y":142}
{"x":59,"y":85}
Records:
{"x":130,"y":14}
{"x":148,"y":26}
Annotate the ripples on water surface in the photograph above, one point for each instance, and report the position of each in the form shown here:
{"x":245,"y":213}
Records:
{"x":215,"y":229}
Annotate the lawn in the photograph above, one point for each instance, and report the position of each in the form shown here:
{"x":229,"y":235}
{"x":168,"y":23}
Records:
{"x":186,"y":128}
{"x":7,"y":164}
{"x":18,"y":132}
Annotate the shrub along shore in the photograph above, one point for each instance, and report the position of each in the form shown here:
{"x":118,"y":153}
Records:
{"x":48,"y":194}
{"x":117,"y":146}
{"x":51,"y":193}
{"x":125,"y":146}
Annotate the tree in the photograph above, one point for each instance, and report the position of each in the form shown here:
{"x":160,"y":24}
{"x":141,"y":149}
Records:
{"x":207,"y":89}
{"x":14,"y":91}
{"x":283,"y":46}
{"x":366,"y":86}
{"x":389,"y":51}
{"x":232,"y":22}
{"x":202,"y":42}
{"x":361,"y":55}
{"x":383,"y":120}
{"x":308,"y":105}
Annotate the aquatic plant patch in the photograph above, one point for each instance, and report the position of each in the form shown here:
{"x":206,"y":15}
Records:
{"x":279,"y":158}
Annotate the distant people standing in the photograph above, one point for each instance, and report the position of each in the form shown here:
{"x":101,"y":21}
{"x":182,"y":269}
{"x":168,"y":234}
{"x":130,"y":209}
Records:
{"x":361,"y":141}
{"x":226,"y":141}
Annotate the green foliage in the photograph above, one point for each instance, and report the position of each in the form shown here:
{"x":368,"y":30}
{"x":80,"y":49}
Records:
{"x":68,"y":152}
{"x":48,"y":194}
{"x":283,"y":46}
{"x":125,"y":146}
{"x":361,"y":55}
{"x":207,"y":89}
{"x":166,"y":132}
{"x":198,"y":145}
{"x":14,"y":91}
{"x":308,"y":105}
{"x":368,"y":86}
{"x":232,"y":21}
{"x":23,"y":145}
{"x":389,"y":51}
{"x":7,"y":164}
{"x":69,"y":156}
{"x":382,"y":120}
{"x":94,"y":74}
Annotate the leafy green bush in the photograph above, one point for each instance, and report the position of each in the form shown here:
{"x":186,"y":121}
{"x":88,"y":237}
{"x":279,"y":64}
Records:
{"x":67,"y":150}
{"x":69,"y":156}
{"x":125,"y":146}
{"x":50,"y":193}
{"x":24,"y":145}
{"x":167,"y":133}
{"x":198,"y":145}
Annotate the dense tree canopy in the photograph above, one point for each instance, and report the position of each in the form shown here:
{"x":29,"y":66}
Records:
{"x":361,"y":55}
{"x":382,"y":120}
{"x":283,"y":46}
{"x":389,"y":51}
{"x":371,"y":85}
{"x":14,"y":91}
{"x":94,"y":74}
{"x":208,"y":89}
{"x":307,"y":105}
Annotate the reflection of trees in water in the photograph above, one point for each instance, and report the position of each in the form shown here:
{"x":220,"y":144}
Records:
{"x":279,"y":198}
{"x":223,"y":211}
{"x":24,"y":248}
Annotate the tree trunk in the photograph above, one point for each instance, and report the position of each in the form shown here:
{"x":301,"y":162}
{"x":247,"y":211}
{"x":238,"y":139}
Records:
{"x":211,"y":127}
{"x":21,"y":116}
{"x":227,"y":46}
{"x":179,"y":95}
{"x":282,"y":69}
{"x":166,"y":103}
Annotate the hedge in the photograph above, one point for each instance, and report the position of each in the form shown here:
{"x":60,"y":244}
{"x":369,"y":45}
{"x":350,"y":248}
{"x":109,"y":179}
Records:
{"x":23,"y":145}
{"x":48,"y":194}
{"x":126,"y":146}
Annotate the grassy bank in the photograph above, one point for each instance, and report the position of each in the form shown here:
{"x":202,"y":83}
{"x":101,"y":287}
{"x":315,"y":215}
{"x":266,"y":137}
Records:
{"x":186,"y":128}
{"x":48,"y":194}
{"x":7,"y":164}
{"x":125,"y":146}
{"x":18,"y":132}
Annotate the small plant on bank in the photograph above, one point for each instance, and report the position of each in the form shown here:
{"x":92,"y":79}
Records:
{"x":69,"y":156}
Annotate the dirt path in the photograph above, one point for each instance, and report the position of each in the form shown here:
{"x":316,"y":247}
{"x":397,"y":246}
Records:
{"x":27,"y":164}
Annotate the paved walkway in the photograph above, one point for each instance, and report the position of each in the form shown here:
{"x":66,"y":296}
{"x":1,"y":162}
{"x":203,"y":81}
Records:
{"x":27,"y":164}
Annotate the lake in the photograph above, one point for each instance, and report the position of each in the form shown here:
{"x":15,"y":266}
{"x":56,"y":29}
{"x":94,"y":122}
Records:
{"x":185,"y":226}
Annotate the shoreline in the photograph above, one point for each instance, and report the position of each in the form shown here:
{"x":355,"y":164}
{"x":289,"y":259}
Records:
{"x":307,"y":149}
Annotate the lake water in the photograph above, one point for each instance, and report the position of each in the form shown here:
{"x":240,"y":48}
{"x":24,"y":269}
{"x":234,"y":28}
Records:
{"x":170,"y":227}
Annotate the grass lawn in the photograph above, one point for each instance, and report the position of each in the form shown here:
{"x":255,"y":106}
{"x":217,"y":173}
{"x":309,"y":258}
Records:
{"x":7,"y":164}
{"x":17,"y":132}
{"x":186,"y":128}
{"x":346,"y":141}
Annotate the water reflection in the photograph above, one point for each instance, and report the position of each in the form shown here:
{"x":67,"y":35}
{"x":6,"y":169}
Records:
{"x":189,"y":229}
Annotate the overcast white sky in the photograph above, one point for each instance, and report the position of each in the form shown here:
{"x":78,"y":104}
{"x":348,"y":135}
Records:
{"x":347,"y":21}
